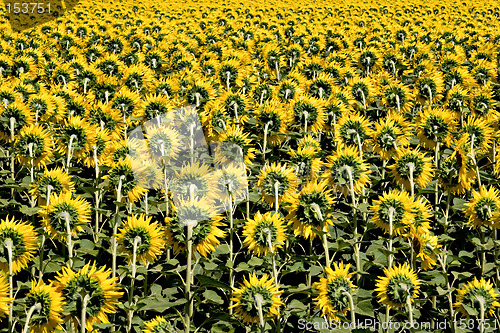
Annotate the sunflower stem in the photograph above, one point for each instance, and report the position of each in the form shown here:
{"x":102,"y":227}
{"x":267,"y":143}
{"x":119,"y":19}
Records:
{"x":391,"y":227}
{"x":237,"y":118}
{"x":70,"y":144}
{"x":411,"y":168}
{"x":306,"y":116}
{"x":436,"y":164}
{"x":355,"y":218}
{"x":351,"y":305}
{"x":231,"y":222}
{"x":266,"y":129}
{"x":189,"y":246}
{"x":69,"y":242}
{"x":276,"y":65}
{"x":363,"y":95}
{"x":429,"y":90}
{"x":115,"y":226}
{"x":12,"y":155}
{"x":137,"y":241}
{"x":9,"y":244}
{"x":33,"y":308}
{"x":83,"y":321}
{"x":410,"y":309}
{"x":276,"y":195}
{"x":258,"y":301}
{"x":481,"y":313}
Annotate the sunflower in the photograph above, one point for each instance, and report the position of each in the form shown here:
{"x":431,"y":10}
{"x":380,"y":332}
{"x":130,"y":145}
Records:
{"x":353,"y":130}
{"x":162,"y":141}
{"x":155,"y":106}
{"x":234,"y":144}
{"x":343,"y":165}
{"x":101,"y":150}
{"x":436,"y":125}
{"x":456,"y":99}
{"x":478,"y":134}
{"x":24,"y":244}
{"x":127,"y":171}
{"x":287,"y":90}
{"x":16,"y":115}
{"x":78,"y":133}
{"x":158,"y":325}
{"x":48,"y":316}
{"x":276,"y":179}
{"x":254,"y":290}
{"x":456,"y":173}
{"x":103,"y":292}
{"x":194,"y":181}
{"x":484,"y":207}
{"x":103,"y":116}
{"x":429,"y":87}
{"x":264,"y":233}
{"x":482,"y":104}
{"x":206,"y":233}
{"x":396,"y":205}
{"x":150,"y":238}
{"x":34,"y":146}
{"x":397,"y":97}
{"x":411,"y":163}
{"x":309,"y":111}
{"x":63,"y":209}
{"x":308,"y":141}
{"x":150,"y":174}
{"x":129,"y":104}
{"x":231,"y":179}
{"x":363,"y":90}
{"x":310,"y":209}
{"x":472,"y":294}
{"x":5,"y":300}
{"x":331,"y":291}
{"x":273,"y":120}
{"x":56,"y":179}
{"x":386,"y":137}
{"x":425,"y":245}
{"x":422,"y":213}
{"x":306,"y":163}
{"x":397,"y":285}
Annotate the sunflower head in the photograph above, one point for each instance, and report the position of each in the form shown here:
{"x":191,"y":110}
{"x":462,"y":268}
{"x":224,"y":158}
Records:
{"x":394,"y":209}
{"x":472,"y":294}
{"x":252,"y":292}
{"x":48,"y":312}
{"x":411,"y":164}
{"x":146,"y":238}
{"x":264,"y":233}
{"x":22,"y":239}
{"x":397,"y":285}
{"x":484,"y":207}
{"x":276,"y":181}
{"x":332,"y":291}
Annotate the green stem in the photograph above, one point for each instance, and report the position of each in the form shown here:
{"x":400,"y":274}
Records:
{"x":351,"y":304}
{"x":10,"y":245}
{"x":35,"y":307}
{"x":188,"y":275}
{"x":410,"y":310}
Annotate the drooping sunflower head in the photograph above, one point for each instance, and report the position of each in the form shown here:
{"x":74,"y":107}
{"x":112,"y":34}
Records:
{"x":478,"y":135}
{"x":234,"y":144}
{"x":305,"y":162}
{"x":484,"y":207}
{"x":50,"y":302}
{"x":386,"y":137}
{"x":16,"y":115}
{"x":273,"y":120}
{"x":194,"y":181}
{"x":101,"y":290}
{"x":5,"y":299}
{"x":332,"y":291}
{"x":310,"y":209}
{"x":472,"y":294}
{"x":264,"y":233}
{"x":275,"y":182}
{"x":21,"y":237}
{"x":34,"y":146}
{"x":145,"y":237}
{"x":393,"y":208}
{"x":124,"y":175}
{"x":163,"y":142}
{"x":344,"y":166}
{"x":207,"y":230}
{"x":456,"y":173}
{"x":363,"y":90}
{"x":231,"y":179}
{"x":308,"y":112}
{"x":456,"y":99}
{"x":252,"y":292}
{"x":422,"y":213}
{"x":65,"y":211}
{"x":158,"y":325}
{"x":430,"y":87}
{"x":425,"y":245}
{"x":399,"y":283}
{"x":412,"y":165}
{"x":76,"y":135}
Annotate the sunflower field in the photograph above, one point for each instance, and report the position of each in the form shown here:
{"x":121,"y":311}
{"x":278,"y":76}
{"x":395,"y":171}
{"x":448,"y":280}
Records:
{"x":255,"y":166}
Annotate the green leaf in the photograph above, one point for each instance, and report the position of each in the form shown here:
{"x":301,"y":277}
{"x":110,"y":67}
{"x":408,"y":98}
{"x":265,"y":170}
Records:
{"x":209,"y":282}
{"x":212,"y":297}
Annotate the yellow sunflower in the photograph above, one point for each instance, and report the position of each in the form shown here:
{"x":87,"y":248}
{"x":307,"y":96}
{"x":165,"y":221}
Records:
{"x":252,"y":291}
{"x":310,"y":209}
{"x":234,"y":144}
{"x":484,"y":207}
{"x":331,"y":291}
{"x":158,"y":325}
{"x":150,"y":238}
{"x":128,"y":172}
{"x":456,"y":172}
{"x":102,"y":291}
{"x":343,"y":165}
{"x":409,"y":164}
{"x":34,"y":146}
{"x":78,"y":135}
{"x":5,"y":300}
{"x":65,"y":209}
{"x":436,"y":125}
{"x":206,"y":233}
{"x":475,"y":292}
{"x":306,"y":163}
{"x":277,"y":179}
{"x":397,"y":285}
{"x":274,"y":120}
{"x":264,"y":233}
{"x":50,"y":303}
{"x":425,"y":245}
{"x":23,"y":240}
{"x":53,"y":181}
{"x":353,"y":130}
{"x":395,"y":205}
{"x":309,"y":113}
{"x":386,"y":137}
